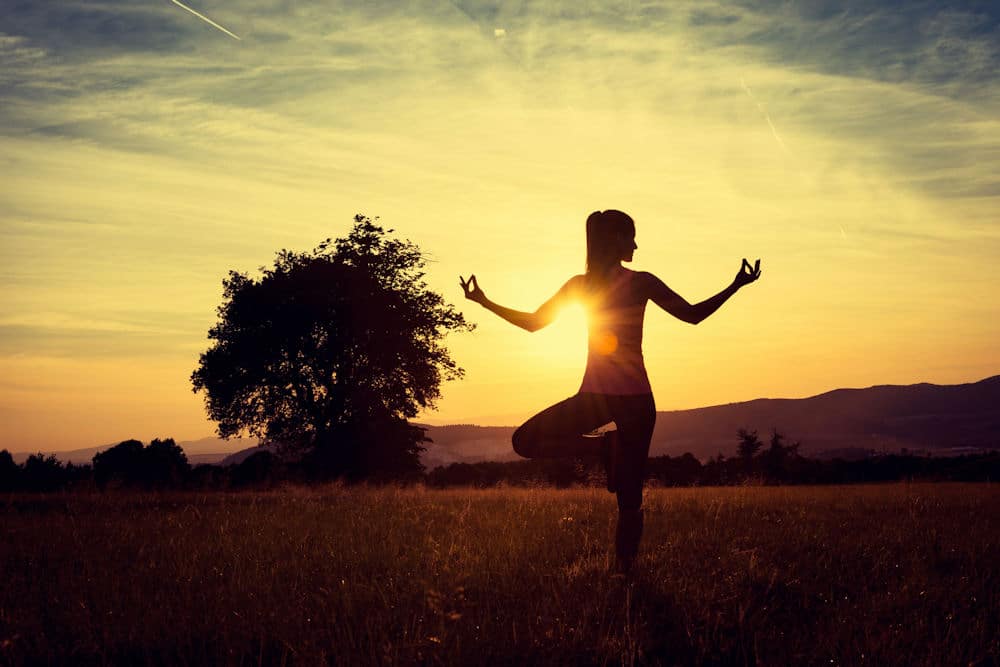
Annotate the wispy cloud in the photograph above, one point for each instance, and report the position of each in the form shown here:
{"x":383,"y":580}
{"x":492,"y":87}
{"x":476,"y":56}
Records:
{"x":763,"y":111}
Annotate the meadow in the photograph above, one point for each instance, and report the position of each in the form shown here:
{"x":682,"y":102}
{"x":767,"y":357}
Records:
{"x":901,"y":574}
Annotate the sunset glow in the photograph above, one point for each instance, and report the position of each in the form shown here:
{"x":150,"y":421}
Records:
{"x":145,"y":154}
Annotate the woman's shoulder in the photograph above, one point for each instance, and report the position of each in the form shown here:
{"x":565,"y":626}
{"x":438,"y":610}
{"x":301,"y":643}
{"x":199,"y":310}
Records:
{"x":644,"y":283}
{"x":574,"y":285}
{"x":645,"y":276}
{"x":640,"y":277}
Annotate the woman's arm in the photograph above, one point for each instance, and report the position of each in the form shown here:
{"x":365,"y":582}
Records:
{"x":673,"y":303}
{"x":527,"y":321}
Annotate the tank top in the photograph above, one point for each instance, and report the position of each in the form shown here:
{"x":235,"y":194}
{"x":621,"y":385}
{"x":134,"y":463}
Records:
{"x":615,"y":315}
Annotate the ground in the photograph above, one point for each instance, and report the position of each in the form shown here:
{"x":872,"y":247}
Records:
{"x":905,"y":574}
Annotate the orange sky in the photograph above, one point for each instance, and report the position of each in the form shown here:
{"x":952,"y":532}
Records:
{"x":146,"y":153}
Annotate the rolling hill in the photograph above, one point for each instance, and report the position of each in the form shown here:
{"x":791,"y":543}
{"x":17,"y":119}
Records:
{"x":844,"y":422}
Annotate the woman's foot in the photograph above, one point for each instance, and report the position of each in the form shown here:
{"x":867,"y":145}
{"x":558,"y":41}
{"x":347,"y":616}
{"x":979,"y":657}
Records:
{"x":609,"y":458}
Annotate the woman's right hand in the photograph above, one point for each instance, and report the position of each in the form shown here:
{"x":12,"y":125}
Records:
{"x":472,"y":289}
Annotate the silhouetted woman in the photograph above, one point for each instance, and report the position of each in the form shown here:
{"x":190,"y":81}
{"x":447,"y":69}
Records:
{"x":615,"y":387}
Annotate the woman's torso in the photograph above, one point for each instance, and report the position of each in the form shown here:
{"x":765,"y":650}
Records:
{"x":615,"y":311}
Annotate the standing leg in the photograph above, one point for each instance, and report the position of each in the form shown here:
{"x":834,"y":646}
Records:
{"x":628,"y":532}
{"x":559,"y":431}
{"x":634,"y":417}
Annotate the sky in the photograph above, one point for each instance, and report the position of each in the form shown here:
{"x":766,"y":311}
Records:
{"x":853,"y":146}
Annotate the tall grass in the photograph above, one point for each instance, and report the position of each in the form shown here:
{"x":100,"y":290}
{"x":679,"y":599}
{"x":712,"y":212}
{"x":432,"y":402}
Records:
{"x":900,"y":574}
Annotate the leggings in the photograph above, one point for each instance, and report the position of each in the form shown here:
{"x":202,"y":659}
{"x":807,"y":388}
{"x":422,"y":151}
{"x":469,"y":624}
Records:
{"x":560,"y":431}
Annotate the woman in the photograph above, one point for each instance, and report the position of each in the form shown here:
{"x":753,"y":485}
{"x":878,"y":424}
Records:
{"x":615,"y":387}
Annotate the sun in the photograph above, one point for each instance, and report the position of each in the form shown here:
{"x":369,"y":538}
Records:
{"x":563,"y":344}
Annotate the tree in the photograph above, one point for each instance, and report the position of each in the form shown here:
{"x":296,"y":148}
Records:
{"x":123,"y":462}
{"x":331,"y":352}
{"x":777,"y":457}
{"x":749,"y":445}
{"x":9,"y":471}
{"x":164,"y":463}
{"x":43,"y":473}
{"x":258,"y":468}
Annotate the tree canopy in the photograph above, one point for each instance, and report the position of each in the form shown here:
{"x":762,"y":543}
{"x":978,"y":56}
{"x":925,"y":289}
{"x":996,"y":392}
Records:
{"x":163,"y":463}
{"x":331,"y":352}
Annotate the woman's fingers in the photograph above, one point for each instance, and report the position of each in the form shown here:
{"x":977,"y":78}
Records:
{"x":471,"y":286}
{"x":750,"y":270}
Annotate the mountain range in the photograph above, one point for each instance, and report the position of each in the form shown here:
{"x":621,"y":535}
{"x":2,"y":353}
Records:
{"x":851,"y":423}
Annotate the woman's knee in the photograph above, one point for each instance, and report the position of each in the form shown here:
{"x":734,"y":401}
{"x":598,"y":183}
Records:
{"x":523,"y":443}
{"x":631,"y":479}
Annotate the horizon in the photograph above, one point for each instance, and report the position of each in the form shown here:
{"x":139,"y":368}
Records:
{"x":149,"y":150}
{"x":514,"y":424}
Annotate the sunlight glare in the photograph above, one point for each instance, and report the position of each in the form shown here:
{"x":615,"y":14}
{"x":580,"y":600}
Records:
{"x":563,"y":344}
{"x":605,"y":342}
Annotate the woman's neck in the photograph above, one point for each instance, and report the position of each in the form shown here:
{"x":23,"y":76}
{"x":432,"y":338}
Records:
{"x":614,"y":267}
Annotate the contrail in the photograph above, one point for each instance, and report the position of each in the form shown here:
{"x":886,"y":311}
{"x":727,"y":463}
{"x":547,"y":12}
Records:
{"x":767,"y":117}
{"x":205,"y":19}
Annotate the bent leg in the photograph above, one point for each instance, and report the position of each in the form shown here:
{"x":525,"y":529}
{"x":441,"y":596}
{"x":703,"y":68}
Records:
{"x":559,"y":431}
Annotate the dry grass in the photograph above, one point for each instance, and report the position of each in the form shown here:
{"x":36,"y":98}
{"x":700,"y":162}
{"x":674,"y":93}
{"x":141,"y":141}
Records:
{"x":900,"y":574}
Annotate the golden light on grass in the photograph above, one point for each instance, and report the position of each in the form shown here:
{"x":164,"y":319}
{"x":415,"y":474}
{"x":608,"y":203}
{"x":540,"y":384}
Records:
{"x":404,"y":576}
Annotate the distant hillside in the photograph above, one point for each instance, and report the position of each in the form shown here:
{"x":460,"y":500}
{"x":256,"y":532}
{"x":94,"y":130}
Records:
{"x":466,"y":443}
{"x":842,"y":422}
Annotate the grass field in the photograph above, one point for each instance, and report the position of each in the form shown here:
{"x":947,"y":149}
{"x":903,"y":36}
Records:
{"x":902,"y":574}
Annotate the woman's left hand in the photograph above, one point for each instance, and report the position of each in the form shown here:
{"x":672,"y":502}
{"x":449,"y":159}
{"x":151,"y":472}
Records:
{"x":747,"y":273}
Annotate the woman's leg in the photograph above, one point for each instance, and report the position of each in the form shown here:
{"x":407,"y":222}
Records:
{"x":634,"y":418}
{"x":559,"y":431}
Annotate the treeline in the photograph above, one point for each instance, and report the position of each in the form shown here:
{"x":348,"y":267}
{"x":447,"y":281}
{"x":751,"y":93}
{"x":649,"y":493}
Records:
{"x":754,"y":463}
{"x":162,"y":464}
{"x":686,"y":470}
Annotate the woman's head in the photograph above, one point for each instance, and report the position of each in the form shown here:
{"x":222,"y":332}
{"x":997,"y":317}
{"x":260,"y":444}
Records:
{"x":610,"y":239}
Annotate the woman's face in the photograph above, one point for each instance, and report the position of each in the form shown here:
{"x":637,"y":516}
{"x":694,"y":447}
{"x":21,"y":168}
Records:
{"x":628,"y":245}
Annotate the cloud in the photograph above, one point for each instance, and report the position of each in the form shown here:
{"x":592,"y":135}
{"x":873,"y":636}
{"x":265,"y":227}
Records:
{"x":934,"y":43}
{"x":89,"y":343}
{"x":862,"y":79}
{"x":86,"y":29}
{"x":365,"y":84}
